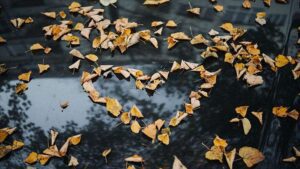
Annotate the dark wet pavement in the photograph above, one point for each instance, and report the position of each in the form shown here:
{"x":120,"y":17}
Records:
{"x":37,"y":111}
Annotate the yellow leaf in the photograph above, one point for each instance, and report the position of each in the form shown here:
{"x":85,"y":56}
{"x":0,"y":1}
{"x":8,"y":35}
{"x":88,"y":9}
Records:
{"x":155,"y":2}
{"x":180,"y":36}
{"x":92,"y":57}
{"x":25,"y":76}
{"x":43,"y":158}
{"x":215,"y":153}
{"x":135,"y":127}
{"x":171,"y":42}
{"x":4,"y":150}
{"x":43,"y":68}
{"x":241,"y":110}
{"x":50,"y":14}
{"x":21,"y":87}
{"x":106,"y":152}
{"x":31,"y":158}
{"x":251,"y":156}
{"x":135,"y":112}
{"x":293,"y":114}
{"x":219,"y":8}
{"x":195,"y":11}
{"x":135,"y":158}
{"x":74,"y":140}
{"x":164,"y":138}
{"x":259,"y":116}
{"x":36,"y":46}
{"x":171,"y":24}
{"x":289,"y":159}
{"x":228,"y":27}
{"x":198,"y":39}
{"x":229,"y":58}
{"x":280,"y":111}
{"x":150,"y":131}
{"x":156,"y":23}
{"x":230,"y":157}
{"x":219,"y":142}
{"x":246,"y":125}
{"x":3,"y":135}
{"x":281,"y":61}
{"x":247,"y":4}
{"x":177,"y":164}
{"x":113,"y":106}
{"x":125,"y":117}
{"x":17,"y":145}
{"x":159,"y":123}
{"x":188,"y":108}
{"x":52,"y":151}
{"x":62,"y":14}
{"x":73,"y":162}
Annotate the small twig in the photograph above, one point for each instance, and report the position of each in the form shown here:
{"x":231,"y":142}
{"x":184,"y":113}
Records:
{"x":205,"y":146}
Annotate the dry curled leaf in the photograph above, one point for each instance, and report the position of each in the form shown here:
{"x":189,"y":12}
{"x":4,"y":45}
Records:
{"x":50,"y":14}
{"x":17,"y":145}
{"x":107,"y":2}
{"x":289,"y":159}
{"x":280,"y":111}
{"x":4,"y":150}
{"x":92,"y":57}
{"x":219,"y":8}
{"x":242,"y":110}
{"x":36,"y":46}
{"x":21,"y":87}
{"x":281,"y":61}
{"x":195,"y":11}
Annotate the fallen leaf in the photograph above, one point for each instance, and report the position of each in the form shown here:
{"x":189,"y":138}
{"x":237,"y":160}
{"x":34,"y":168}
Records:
{"x":135,"y":112}
{"x":105,"y":153}
{"x":180,"y":36}
{"x":43,"y":158}
{"x":195,"y":11}
{"x":297,"y":152}
{"x":177,"y":164}
{"x":215,"y":153}
{"x":242,"y":110}
{"x":293,"y":114}
{"x":4,"y":150}
{"x":50,"y":14}
{"x":171,"y":42}
{"x":219,"y":142}
{"x":74,"y":140}
{"x":150,"y":131}
{"x":92,"y":57}
{"x":31,"y":158}
{"x":171,"y":24}
{"x":76,"y":53}
{"x":281,"y":61}
{"x":280,"y":111}
{"x":17,"y":145}
{"x":246,"y":125}
{"x":2,"y":40}
{"x":164,"y":138}
{"x":253,"y":80}
{"x":25,"y":76}
{"x":177,"y":119}
{"x":155,"y":2}
{"x":247,"y":4}
{"x":64,"y":104}
{"x":3,"y":135}
{"x":54,"y":135}
{"x":135,"y":127}
{"x":21,"y":87}
{"x":107,"y":2}
{"x":159,"y":123}
{"x":125,"y":117}
{"x":154,"y":42}
{"x":36,"y":46}
{"x":229,"y":156}
{"x":75,"y":65}
{"x":259,"y":116}
{"x":219,"y":8}
{"x":73,"y":162}
{"x":43,"y":68}
{"x":156,"y":23}
{"x":251,"y":156}
{"x":135,"y":158}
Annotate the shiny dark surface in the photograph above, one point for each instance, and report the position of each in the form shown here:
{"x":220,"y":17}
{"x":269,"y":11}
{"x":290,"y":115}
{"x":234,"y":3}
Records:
{"x":37,"y":111}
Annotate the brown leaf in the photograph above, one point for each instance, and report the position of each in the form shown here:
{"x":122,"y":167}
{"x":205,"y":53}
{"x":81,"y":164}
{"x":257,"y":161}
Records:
{"x":31,"y":158}
{"x":135,"y":127}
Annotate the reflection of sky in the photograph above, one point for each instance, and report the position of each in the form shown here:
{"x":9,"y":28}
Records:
{"x":46,"y":94}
